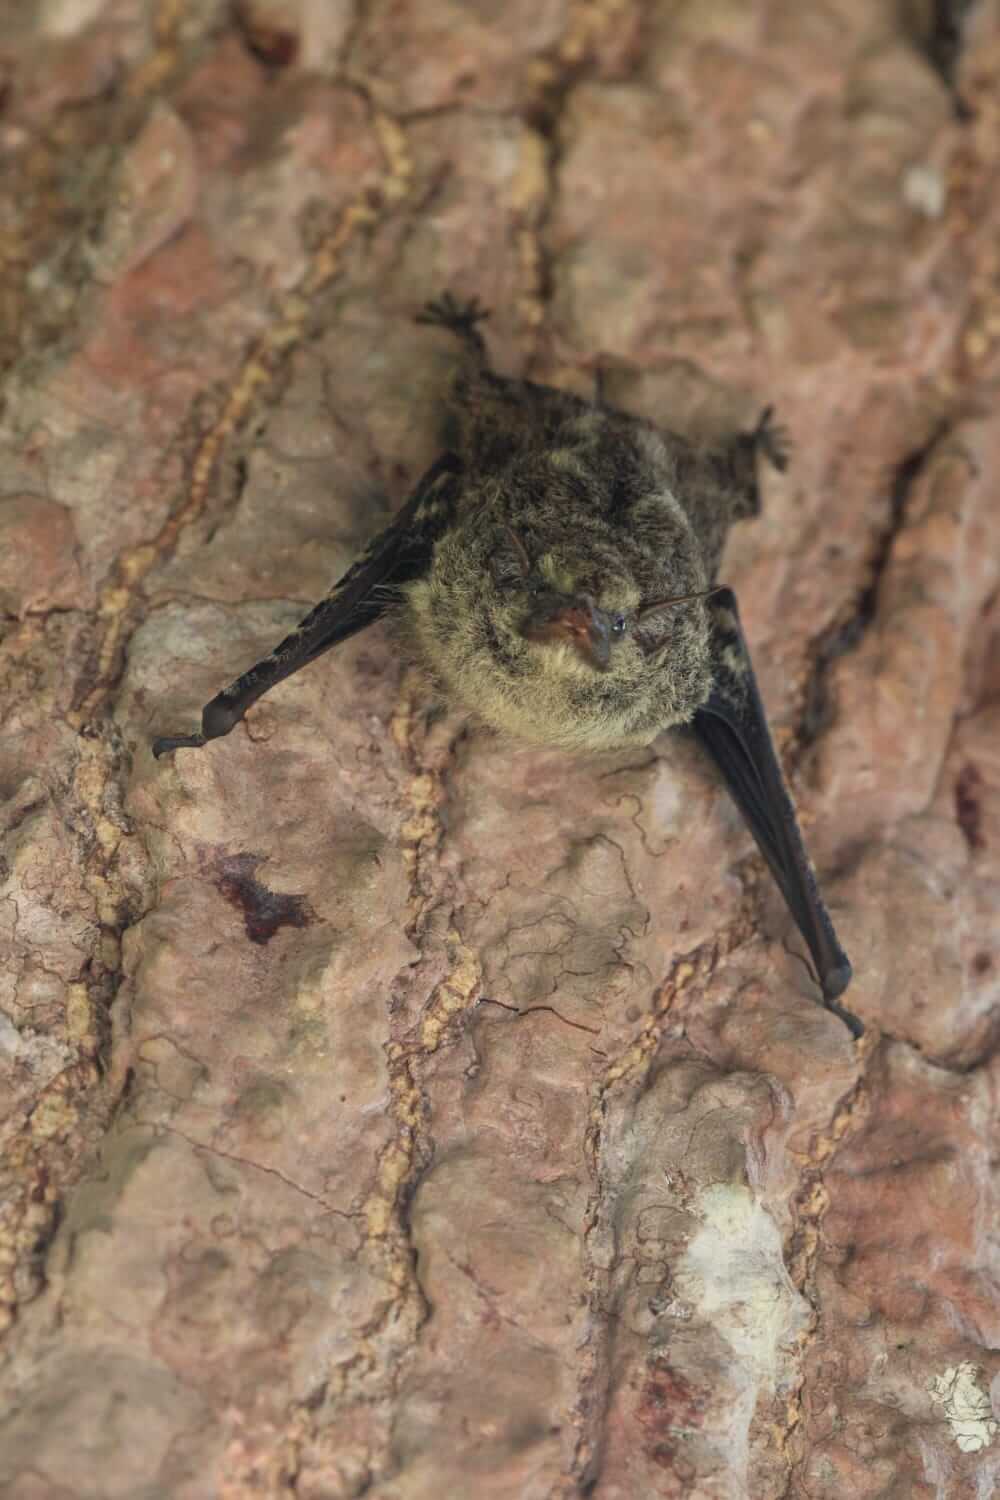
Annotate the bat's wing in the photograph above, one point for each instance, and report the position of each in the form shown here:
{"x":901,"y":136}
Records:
{"x":398,"y":554}
{"x":733,"y":729}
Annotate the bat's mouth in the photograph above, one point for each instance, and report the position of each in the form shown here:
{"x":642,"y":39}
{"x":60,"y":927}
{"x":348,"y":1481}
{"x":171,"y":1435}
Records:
{"x":576,"y":622}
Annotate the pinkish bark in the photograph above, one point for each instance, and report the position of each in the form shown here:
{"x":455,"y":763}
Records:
{"x":390,"y":1111}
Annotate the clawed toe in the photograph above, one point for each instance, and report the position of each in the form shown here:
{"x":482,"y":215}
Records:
{"x":447,"y":311}
{"x":773,"y":439}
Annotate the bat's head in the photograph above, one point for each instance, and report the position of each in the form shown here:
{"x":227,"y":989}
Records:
{"x":563,"y":635}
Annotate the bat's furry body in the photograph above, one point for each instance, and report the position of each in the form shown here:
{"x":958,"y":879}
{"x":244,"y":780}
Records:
{"x":604,"y":506}
{"x":593,"y":499}
{"x":554,"y":573}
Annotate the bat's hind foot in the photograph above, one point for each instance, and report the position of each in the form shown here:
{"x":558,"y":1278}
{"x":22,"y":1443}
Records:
{"x":773,"y":440}
{"x":739,"y":463}
{"x":460,"y":318}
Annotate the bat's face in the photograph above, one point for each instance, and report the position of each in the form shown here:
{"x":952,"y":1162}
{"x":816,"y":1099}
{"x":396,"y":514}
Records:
{"x":554,"y":638}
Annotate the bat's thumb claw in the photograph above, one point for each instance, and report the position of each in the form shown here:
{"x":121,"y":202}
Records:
{"x":167,"y":743}
{"x":217,"y":719}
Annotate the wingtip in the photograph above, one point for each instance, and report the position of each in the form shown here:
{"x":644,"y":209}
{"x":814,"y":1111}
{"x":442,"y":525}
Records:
{"x":835,"y":982}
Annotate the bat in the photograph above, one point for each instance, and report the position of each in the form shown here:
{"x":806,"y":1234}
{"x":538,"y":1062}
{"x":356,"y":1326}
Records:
{"x":553,"y":572}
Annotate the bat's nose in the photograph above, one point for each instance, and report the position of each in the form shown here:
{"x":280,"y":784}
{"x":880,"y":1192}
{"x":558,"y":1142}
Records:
{"x":587,"y":627}
{"x":578,"y":621}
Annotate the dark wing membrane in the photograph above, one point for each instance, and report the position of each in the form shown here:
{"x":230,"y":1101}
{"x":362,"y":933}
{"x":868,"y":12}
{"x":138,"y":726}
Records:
{"x":398,"y":554}
{"x":732,"y":727}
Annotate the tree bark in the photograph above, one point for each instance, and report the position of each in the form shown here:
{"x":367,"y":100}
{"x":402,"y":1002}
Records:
{"x":397,"y":1112}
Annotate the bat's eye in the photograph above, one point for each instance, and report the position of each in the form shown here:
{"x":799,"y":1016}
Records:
{"x":618,"y":624}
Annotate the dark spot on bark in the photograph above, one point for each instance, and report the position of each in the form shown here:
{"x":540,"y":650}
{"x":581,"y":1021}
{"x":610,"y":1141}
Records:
{"x":968,"y":813}
{"x":263,"y":911}
{"x":314,"y":1400}
{"x":663,"y":1454}
{"x":982,"y":963}
{"x":275,"y":46}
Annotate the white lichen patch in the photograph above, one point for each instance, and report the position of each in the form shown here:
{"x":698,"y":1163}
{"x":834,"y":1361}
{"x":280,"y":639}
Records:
{"x":734,"y":1274}
{"x":925,"y":189}
{"x":967,"y":1407}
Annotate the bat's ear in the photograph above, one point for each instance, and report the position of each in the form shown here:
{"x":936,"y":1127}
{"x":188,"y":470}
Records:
{"x":732,"y":726}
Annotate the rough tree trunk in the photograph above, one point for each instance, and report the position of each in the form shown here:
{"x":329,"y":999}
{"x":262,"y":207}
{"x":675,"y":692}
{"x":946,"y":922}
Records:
{"x":392,"y":1112}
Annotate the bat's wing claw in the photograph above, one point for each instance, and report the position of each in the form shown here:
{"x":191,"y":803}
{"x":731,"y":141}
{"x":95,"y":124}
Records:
{"x":217,"y":718}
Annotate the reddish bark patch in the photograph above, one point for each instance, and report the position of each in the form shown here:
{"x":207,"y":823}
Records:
{"x":264,"y":911}
{"x":667,"y":1402}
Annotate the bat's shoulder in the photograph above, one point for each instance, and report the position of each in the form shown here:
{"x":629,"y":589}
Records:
{"x":435,"y":506}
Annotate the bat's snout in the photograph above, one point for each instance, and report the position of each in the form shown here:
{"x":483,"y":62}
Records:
{"x":577,"y":621}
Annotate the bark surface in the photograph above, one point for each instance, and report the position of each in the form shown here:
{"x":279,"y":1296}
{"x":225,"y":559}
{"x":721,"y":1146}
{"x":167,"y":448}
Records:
{"x":389,"y":1111}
